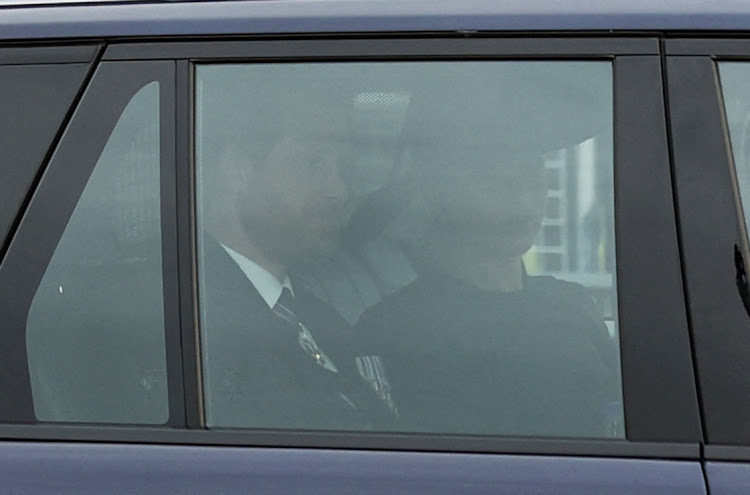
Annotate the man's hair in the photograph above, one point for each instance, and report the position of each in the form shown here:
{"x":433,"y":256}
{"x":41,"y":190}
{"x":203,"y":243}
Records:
{"x":252,"y":107}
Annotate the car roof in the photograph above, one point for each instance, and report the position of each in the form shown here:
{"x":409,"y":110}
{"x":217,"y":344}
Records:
{"x":39,"y":19}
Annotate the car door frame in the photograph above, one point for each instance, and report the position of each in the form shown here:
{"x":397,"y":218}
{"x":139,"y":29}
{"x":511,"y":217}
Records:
{"x":661,"y":407}
{"x":715,"y":246}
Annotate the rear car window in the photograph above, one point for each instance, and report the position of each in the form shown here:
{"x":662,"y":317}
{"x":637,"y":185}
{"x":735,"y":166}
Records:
{"x":95,"y":329}
{"x":408,"y":246}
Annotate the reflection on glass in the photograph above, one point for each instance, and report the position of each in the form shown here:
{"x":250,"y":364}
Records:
{"x":460,"y":275}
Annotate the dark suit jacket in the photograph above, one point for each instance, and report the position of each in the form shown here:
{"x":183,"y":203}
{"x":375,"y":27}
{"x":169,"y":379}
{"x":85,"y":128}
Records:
{"x":258,"y":376}
{"x":535,"y":362}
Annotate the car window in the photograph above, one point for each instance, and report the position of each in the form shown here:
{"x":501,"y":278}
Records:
{"x":412,"y":246}
{"x":95,"y":328}
{"x":737,"y":110}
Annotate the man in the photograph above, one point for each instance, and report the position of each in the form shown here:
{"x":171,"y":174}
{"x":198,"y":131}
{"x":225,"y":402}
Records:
{"x":475,"y":345}
{"x":273,"y":355}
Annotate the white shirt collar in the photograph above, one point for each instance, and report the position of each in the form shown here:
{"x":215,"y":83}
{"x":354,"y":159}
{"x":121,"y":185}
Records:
{"x":264,"y":282}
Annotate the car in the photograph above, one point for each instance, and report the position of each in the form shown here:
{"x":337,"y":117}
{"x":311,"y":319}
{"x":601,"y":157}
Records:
{"x":521,"y":227}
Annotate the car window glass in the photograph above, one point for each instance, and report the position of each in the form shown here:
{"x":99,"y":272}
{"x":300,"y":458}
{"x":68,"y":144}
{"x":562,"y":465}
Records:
{"x":737,"y":110}
{"x":416,"y":247}
{"x":95,"y":329}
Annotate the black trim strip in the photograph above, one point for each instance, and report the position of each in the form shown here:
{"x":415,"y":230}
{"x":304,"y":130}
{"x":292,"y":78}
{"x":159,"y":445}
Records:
{"x":170,"y":245}
{"x":740,"y":453}
{"x":710,"y":229}
{"x":691,"y":334}
{"x":186,"y":249}
{"x":354,"y":441}
{"x":714,"y":47}
{"x":658,"y":382}
{"x":403,"y":48}
{"x":49,"y":54}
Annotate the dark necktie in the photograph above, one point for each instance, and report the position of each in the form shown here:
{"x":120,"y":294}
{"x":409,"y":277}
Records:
{"x":284,"y":309}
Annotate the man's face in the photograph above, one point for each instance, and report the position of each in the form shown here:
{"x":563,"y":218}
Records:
{"x":495,"y":203}
{"x":295,"y":204}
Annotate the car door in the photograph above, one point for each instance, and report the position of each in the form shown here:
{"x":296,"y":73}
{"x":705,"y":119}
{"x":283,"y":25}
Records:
{"x":109,"y":350}
{"x":708,"y":120}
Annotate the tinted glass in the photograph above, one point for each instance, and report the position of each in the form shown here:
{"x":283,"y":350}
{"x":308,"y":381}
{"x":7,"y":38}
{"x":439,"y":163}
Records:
{"x":417,"y":247}
{"x":95,"y":329}
{"x":737,"y":107}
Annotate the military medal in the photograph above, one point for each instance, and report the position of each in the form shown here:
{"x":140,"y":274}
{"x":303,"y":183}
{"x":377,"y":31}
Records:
{"x":283,"y":310}
{"x":372,"y":370}
{"x":308,"y":344}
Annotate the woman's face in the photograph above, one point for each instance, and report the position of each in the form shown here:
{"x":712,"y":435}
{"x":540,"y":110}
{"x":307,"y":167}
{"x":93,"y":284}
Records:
{"x":491,"y":201}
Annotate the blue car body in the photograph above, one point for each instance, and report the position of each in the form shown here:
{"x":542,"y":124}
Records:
{"x":65,"y":458}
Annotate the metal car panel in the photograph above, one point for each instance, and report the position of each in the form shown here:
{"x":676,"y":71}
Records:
{"x":728,"y":478}
{"x":342,"y":16}
{"x":97,"y":468}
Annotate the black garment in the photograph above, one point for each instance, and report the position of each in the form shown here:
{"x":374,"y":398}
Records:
{"x":257,"y":374}
{"x":462,"y":360}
